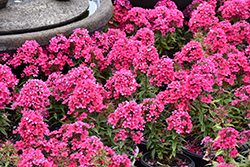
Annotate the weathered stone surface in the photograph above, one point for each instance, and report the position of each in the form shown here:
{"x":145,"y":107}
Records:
{"x":33,"y":15}
{"x":94,"y":22}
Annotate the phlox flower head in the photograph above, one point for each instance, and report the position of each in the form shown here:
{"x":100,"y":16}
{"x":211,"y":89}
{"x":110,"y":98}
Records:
{"x":146,"y":55}
{"x":4,"y":57}
{"x":180,"y":121}
{"x":243,"y":94}
{"x":138,"y":16}
{"x":195,"y":3}
{"x":62,"y":86}
{"x":34,"y":157}
{"x":128,"y":115}
{"x":122,"y":83}
{"x":234,"y":9}
{"x":165,"y":20}
{"x":7,"y":77}
{"x":220,"y":159}
{"x":152,"y":109}
{"x":121,"y":9}
{"x":87,"y":96}
{"x":122,"y":53}
{"x":34,"y":95}
{"x":59,"y":43}
{"x":31,"y":128}
{"x":161,"y":71}
{"x":30,"y":71}
{"x":228,"y":138}
{"x":31,"y":53}
{"x":203,"y":17}
{"x":191,"y":52}
{"x":145,"y":35}
{"x":217,"y":40}
{"x":7,"y":81}
{"x":105,"y":41}
{"x":245,"y":136}
{"x":5,"y":95}
{"x":243,"y":29}
{"x":168,"y":3}
{"x":83,"y":46}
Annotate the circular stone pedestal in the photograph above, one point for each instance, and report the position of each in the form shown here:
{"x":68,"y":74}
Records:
{"x":41,"y":20}
{"x":34,"y":15}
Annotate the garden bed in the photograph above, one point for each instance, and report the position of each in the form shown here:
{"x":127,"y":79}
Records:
{"x":87,"y":99}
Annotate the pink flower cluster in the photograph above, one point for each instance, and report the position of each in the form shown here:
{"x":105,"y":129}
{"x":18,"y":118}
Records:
{"x":161,"y":72}
{"x":235,"y":9}
{"x":79,"y":90}
{"x":180,"y":121}
{"x":228,"y":138}
{"x":105,"y":69}
{"x":34,"y":95}
{"x":203,"y":17}
{"x":122,"y":83}
{"x":37,"y":59}
{"x":7,"y":81}
{"x":55,"y":149}
{"x":165,"y":17}
{"x":132,"y":116}
{"x":227,"y":141}
{"x":191,"y":52}
{"x":32,"y":129}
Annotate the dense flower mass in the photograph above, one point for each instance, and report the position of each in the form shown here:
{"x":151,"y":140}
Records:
{"x":34,"y":95}
{"x":152,"y":74}
{"x":122,"y":83}
{"x":7,"y":81}
{"x":180,"y":121}
{"x":203,"y":17}
{"x":128,"y":115}
{"x":235,"y":9}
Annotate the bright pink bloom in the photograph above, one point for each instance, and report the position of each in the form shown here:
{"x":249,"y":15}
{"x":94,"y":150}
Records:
{"x":34,"y":95}
{"x":180,"y":121}
{"x":122,"y":83}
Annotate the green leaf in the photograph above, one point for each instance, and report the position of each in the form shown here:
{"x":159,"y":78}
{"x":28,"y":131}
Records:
{"x":203,"y":128}
{"x":218,"y":152}
{"x":62,"y":108}
{"x":109,"y":132}
{"x":205,"y":105}
{"x":153,"y":153}
{"x":174,"y":145}
{"x":235,"y":108}
{"x":7,"y":163}
{"x":55,"y":116}
{"x":216,"y":101}
{"x":3,"y":131}
{"x":201,"y":118}
{"x":95,"y":130}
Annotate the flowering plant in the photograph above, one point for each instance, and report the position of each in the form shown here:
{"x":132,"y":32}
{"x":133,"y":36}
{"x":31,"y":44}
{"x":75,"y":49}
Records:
{"x":216,"y":68}
{"x":106,"y":91}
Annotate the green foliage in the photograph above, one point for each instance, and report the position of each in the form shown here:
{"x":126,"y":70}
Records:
{"x":163,"y":143}
{"x":8,"y":154}
{"x":4,"y":122}
{"x":172,"y":41}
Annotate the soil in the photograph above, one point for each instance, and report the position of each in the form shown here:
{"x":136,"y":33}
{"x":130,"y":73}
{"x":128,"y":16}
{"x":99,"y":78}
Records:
{"x":194,"y":146}
{"x":175,"y":162}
